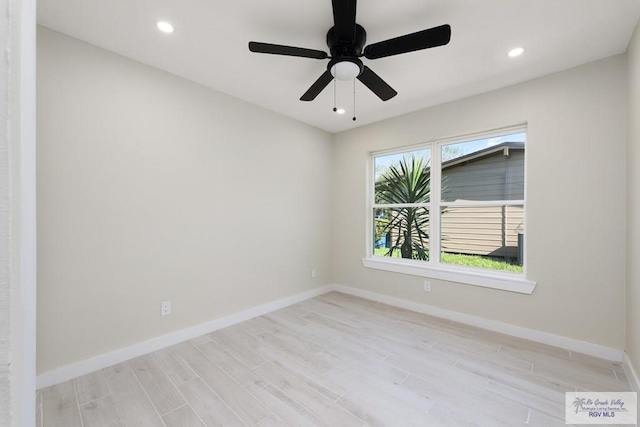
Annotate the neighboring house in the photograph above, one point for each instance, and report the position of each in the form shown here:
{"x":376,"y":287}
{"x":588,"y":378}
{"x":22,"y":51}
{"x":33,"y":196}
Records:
{"x":495,"y":173}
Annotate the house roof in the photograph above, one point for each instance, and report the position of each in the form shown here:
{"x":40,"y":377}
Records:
{"x":504,"y":147}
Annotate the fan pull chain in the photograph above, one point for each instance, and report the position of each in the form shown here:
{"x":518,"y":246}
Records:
{"x":335,"y":108}
{"x":354,"y":100}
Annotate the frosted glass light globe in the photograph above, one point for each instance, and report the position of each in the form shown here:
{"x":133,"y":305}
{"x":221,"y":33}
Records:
{"x":345,"y":70}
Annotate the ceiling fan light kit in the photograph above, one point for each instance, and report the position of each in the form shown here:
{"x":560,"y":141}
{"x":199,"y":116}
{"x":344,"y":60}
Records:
{"x":346,"y":70}
{"x":346,"y":41}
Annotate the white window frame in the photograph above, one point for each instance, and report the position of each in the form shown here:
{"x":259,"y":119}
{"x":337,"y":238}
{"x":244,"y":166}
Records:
{"x":433,"y":268}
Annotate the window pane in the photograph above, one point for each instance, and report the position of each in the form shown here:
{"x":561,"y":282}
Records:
{"x":489,"y":237}
{"x":401,"y":233}
{"x":485,"y":169}
{"x":403,"y":177}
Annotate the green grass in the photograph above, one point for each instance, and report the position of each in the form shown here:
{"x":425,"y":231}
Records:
{"x":475,"y":261}
{"x":478,"y":261}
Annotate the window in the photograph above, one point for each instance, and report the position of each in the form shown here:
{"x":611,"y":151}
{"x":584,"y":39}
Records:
{"x":452,"y":210}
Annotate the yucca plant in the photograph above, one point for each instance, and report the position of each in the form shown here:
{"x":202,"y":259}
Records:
{"x":408,"y":181}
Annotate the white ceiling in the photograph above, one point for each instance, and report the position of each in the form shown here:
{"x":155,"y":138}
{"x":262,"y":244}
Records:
{"x":209,"y":46}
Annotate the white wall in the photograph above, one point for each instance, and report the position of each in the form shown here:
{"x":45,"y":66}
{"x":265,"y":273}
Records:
{"x":575,"y":202}
{"x":633,"y":203}
{"x":153,"y":188}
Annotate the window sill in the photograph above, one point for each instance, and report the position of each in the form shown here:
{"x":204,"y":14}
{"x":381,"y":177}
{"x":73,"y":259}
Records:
{"x":502,"y":281}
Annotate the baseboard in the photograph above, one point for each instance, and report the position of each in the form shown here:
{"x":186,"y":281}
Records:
{"x":84,"y":367}
{"x":566,"y":343}
{"x":632,"y":375}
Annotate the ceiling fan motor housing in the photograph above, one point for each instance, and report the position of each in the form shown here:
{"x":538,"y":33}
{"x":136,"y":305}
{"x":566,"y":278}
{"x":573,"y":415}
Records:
{"x":346,"y":50}
{"x":353,"y":47}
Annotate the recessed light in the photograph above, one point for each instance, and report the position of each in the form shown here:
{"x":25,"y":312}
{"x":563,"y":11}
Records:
{"x":165,"y":27}
{"x":340,"y":111}
{"x":516,"y":52}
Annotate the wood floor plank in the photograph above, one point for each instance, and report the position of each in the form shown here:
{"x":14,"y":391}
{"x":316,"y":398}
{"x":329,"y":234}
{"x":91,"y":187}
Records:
{"x":182,"y":417}
{"x":130,"y":400}
{"x":376,"y":324}
{"x":534,"y":384}
{"x":456,"y":413}
{"x":232,"y":366}
{"x":199,"y":340}
{"x":241,"y":352}
{"x":241,"y":335}
{"x":328,"y":338}
{"x":348,"y":300}
{"x":163,"y":394}
{"x":402,"y":314}
{"x":116,"y":369}
{"x":237,"y":398}
{"x":60,"y":407}
{"x":551,"y":407}
{"x":297,"y":309}
{"x":290,"y":411}
{"x":588,"y":361}
{"x":296,"y":351}
{"x":478,"y":405}
{"x":606,"y":374}
{"x":443,"y":333}
{"x":447,"y":375}
{"x":91,"y":387}
{"x":209,"y":407}
{"x":335,"y":390}
{"x":238,"y":335}
{"x":177,"y":369}
{"x":585,"y":379}
{"x":336,"y":327}
{"x":368,"y":406}
{"x":252,"y":326}
{"x":380,"y":402}
{"x":314,"y":382}
{"x":100,"y":413}
{"x":291,"y":334}
{"x":290,"y":316}
{"x":272,"y":421}
{"x":308,"y":396}
{"x":416,"y":349}
{"x":539,"y":419}
{"x":361,"y":362}
{"x":513,"y":367}
{"x":535,"y":355}
{"x":327,"y":308}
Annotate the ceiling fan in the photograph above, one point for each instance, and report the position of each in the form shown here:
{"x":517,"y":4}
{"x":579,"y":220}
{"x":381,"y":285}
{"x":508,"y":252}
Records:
{"x":346,"y":40}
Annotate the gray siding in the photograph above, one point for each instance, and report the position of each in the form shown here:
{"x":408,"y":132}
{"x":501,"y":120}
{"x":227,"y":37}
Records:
{"x":494,"y":177}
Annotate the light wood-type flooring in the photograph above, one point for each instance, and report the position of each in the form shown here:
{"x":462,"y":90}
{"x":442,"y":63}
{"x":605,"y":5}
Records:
{"x":335,"y":360}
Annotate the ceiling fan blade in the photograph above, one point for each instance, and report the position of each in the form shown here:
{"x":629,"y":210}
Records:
{"x":376,"y":84}
{"x":437,"y":36}
{"x":344,"y":19}
{"x":317,"y":87}
{"x":277,"y":49}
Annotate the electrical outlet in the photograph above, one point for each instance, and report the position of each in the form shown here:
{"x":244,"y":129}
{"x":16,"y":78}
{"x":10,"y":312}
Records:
{"x":165,"y":308}
{"x":313,"y":273}
{"x":427,"y":286}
